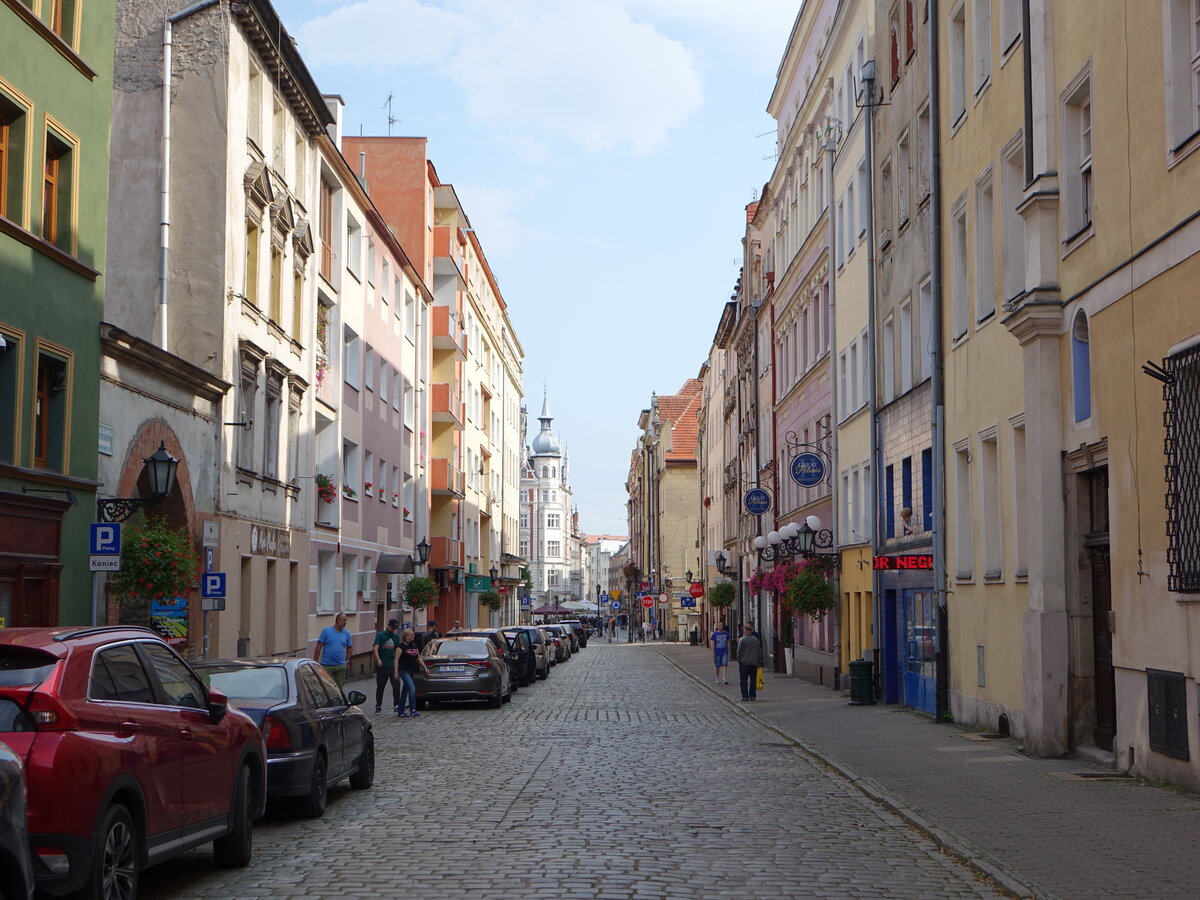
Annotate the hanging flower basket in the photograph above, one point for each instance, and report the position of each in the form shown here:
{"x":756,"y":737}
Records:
{"x":722,"y":594}
{"x":809,"y":593}
{"x":157,"y":562}
{"x":420,"y":591}
{"x":491,"y":600}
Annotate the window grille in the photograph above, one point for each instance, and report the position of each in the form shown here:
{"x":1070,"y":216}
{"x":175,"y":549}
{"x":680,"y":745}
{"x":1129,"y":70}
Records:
{"x":1181,"y":418}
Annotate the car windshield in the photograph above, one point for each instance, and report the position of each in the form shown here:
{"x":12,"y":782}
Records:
{"x":248,"y":682}
{"x":467,"y":647}
{"x":21,"y":666}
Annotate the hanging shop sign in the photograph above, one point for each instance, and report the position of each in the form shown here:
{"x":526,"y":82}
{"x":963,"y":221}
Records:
{"x":904,"y":562}
{"x":808,"y":469}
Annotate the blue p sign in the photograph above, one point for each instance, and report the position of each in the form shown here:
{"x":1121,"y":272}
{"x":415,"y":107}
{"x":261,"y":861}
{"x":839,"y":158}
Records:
{"x":105,"y":539}
{"x":212,"y":584}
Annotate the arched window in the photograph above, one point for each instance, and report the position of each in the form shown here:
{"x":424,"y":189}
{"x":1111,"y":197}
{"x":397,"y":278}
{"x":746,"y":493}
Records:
{"x":545,"y":471}
{"x":1081,"y":367}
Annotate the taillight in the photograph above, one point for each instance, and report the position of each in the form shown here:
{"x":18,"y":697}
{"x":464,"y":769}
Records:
{"x":48,"y":714}
{"x":480,"y":663}
{"x":276,"y":734}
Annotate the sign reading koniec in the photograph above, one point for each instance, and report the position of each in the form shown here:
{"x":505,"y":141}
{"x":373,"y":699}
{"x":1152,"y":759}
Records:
{"x":902,"y":563}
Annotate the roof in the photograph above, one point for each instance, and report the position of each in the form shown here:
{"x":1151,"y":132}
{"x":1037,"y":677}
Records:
{"x":681,"y":411}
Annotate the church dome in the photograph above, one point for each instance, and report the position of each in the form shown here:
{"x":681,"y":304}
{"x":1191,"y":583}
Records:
{"x":546,"y":444}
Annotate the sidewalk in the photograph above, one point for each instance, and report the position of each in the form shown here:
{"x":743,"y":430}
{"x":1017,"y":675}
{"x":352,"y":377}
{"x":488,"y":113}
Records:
{"x":1040,"y":827}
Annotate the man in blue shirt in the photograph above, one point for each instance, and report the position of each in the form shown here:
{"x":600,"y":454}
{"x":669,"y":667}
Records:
{"x":333,"y":649}
{"x":720,"y":645}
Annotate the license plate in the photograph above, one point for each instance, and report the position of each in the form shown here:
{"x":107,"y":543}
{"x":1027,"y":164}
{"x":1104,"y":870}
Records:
{"x":452,"y":668}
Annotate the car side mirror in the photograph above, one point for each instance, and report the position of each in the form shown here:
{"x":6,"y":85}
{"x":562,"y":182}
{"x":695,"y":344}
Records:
{"x":356,"y":698}
{"x":218,"y":705}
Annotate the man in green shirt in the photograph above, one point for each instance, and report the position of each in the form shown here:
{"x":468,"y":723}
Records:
{"x":384,"y":652}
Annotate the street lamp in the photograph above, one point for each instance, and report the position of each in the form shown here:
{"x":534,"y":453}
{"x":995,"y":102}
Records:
{"x":160,"y":468}
{"x":423,"y":551}
{"x":493,"y":573}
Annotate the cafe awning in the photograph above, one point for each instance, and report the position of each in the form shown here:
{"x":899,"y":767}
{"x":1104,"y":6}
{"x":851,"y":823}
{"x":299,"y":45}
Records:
{"x":395,"y":564}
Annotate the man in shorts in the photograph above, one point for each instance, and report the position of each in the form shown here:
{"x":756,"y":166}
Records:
{"x":720,"y":645}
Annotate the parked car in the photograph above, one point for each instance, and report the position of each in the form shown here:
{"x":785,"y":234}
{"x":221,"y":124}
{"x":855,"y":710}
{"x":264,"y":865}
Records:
{"x":316,"y":734}
{"x":539,"y":643}
{"x":517,"y":657}
{"x":578,"y":629}
{"x":565,"y":636}
{"x":463,"y":667}
{"x":129,"y":759}
{"x":525,"y":668}
{"x":16,"y":865}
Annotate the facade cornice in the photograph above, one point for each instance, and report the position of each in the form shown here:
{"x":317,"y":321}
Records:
{"x":125,"y":347}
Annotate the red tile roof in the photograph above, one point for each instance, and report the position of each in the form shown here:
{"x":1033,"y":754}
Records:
{"x":678,"y":413}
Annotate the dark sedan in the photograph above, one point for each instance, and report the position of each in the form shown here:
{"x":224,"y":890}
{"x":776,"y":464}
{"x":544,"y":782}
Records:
{"x":463,"y":667}
{"x":316,"y":734}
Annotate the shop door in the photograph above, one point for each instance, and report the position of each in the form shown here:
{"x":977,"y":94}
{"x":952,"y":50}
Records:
{"x":920,"y":683}
{"x":1096,"y":543}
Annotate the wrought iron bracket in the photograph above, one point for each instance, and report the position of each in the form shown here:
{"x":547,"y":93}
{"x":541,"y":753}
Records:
{"x":118,"y":509}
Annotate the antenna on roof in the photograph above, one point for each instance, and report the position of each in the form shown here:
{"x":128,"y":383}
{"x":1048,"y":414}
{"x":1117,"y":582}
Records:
{"x":392,"y":120}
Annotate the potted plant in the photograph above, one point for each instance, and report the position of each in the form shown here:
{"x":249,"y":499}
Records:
{"x":326,"y":488}
{"x":396,"y":500}
{"x":157,"y":562}
{"x":407,"y":514}
{"x":788,"y":646}
{"x":809,"y":593}
{"x":492,"y":600}
{"x":367,"y":488}
{"x":349,"y":492}
{"x":722,"y":594}
{"x":420,"y":591}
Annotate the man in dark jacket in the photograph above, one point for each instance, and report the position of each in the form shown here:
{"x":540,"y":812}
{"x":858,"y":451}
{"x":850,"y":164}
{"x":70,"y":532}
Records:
{"x":749,"y":657}
{"x":428,"y":634}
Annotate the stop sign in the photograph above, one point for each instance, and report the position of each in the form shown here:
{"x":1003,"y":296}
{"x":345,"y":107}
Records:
{"x":697,"y":589}
{"x":647,"y":601}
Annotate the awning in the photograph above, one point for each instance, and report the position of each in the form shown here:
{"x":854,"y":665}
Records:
{"x":395,"y":564}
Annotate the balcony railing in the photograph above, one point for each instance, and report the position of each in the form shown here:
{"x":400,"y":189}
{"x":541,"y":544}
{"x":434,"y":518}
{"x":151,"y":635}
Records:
{"x":448,"y":333}
{"x":447,"y":404}
{"x":445,"y":553}
{"x":444,"y":478}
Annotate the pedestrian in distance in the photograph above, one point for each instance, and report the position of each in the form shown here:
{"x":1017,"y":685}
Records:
{"x":720,"y":644}
{"x":333,"y":649}
{"x":749,"y":657}
{"x":408,"y":664}
{"x":384,"y":651}
{"x":457,"y":626}
{"x":428,"y":634}
{"x":647,"y":632}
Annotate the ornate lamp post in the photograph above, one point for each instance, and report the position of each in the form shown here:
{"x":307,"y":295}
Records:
{"x":161,"y":468}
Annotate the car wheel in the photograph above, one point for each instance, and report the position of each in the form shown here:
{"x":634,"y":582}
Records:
{"x":233,"y":851}
{"x":313,"y":805}
{"x":422,"y":703}
{"x":365,"y":776}
{"x":495,"y":700}
{"x":544,"y":674}
{"x":114,"y":861}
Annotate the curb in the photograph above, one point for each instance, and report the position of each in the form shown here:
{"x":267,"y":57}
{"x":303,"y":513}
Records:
{"x":947,"y":840}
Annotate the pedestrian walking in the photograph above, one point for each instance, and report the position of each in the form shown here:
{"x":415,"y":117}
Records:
{"x":749,"y":657}
{"x":428,"y":634}
{"x":647,"y":631}
{"x":333,"y":649}
{"x":384,"y":651}
{"x":408,"y":664}
{"x":720,"y":644}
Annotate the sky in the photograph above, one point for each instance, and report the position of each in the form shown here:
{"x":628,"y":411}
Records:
{"x":604,"y":151}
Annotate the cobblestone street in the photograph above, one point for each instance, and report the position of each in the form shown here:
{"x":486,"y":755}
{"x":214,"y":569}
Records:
{"x":617,"y":777}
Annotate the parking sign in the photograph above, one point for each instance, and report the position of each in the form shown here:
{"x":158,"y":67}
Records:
{"x":105,"y":539}
{"x":212,"y":584}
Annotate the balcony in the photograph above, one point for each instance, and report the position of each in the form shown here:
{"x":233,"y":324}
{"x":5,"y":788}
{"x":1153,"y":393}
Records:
{"x":447,"y":404}
{"x":448,"y":334}
{"x":444,"y":479}
{"x":447,"y":253}
{"x":445,"y":553}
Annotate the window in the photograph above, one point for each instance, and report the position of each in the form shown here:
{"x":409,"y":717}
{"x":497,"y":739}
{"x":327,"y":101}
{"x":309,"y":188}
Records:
{"x":253,"y":241}
{"x":903,"y":175}
{"x":349,"y":582}
{"x":981,"y":39}
{"x":14,"y":147}
{"x":851,"y":210}
{"x":1012,"y":226}
{"x":1076,"y":149}
{"x":924,"y":155}
{"x":254,"y":106}
{"x":958,"y":251}
{"x":118,"y":677}
{"x":60,"y":16}
{"x":906,"y":485}
{"x":326,"y":566}
{"x":58,"y":193}
{"x":276,"y":283}
{"x":906,"y":358}
{"x":271,"y":432}
{"x":351,"y":357}
{"x":910,"y":45}
{"x":1081,"y":367}
{"x":10,"y":370}
{"x":1019,"y":505}
{"x":1010,"y":25}
{"x":353,"y":247}
{"x":985,"y":248}
{"x":927,"y":489}
{"x":553,"y":520}
{"x":410,"y":315}
{"x":180,"y":686}
{"x":50,"y":413}
{"x":889,"y":360}
{"x":249,"y":399}
{"x":326,"y":226}
{"x":963,"y":518}
{"x":1181,"y":64}
{"x":884,"y":207}
{"x":989,"y":503}
{"x":553,"y":548}
{"x":297,"y":303}
{"x":370,"y":264}
{"x":369,"y":367}
{"x":351,"y":474}
{"x":889,"y":502}
{"x":369,"y":474}
{"x":864,"y":211}
{"x":841,"y":228}
{"x":894,"y":44}
{"x":958,"y":63}
{"x":928,"y":333}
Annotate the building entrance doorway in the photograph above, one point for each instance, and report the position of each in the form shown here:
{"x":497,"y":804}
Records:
{"x":1095,"y":541}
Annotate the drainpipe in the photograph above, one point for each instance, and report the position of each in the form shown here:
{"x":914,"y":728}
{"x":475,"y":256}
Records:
{"x":830,"y":152}
{"x":937,"y":382}
{"x":164,"y":245}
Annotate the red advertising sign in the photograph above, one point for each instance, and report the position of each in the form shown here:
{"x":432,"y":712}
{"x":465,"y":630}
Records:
{"x":902,"y":563}
{"x":697,"y":589}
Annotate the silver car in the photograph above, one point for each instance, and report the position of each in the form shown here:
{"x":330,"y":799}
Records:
{"x":542,"y":648}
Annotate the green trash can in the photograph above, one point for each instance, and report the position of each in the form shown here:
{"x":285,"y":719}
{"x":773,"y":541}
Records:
{"x":862,"y":691}
{"x":694,"y":637}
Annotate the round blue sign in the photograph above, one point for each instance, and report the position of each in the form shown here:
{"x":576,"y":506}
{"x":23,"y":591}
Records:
{"x":757,"y":501}
{"x":808,"y":469}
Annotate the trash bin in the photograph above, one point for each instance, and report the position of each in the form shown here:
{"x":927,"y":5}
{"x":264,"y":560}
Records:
{"x":694,"y":637}
{"x":862,"y":691}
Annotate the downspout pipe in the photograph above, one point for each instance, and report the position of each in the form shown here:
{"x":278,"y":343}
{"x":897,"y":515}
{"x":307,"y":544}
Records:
{"x":830,"y":153}
{"x":937,"y":381}
{"x":164,"y":241}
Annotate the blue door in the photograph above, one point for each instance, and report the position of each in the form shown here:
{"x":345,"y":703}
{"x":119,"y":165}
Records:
{"x":919,"y":675}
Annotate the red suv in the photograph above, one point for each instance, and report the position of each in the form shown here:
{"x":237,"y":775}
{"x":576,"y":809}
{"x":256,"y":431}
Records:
{"x":129,"y":758}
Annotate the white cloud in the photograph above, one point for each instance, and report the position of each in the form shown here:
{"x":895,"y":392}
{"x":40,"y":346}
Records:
{"x":493,"y":214}
{"x":532,"y":70}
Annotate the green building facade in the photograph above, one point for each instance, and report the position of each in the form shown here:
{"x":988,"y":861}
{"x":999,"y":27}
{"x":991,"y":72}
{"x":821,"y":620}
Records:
{"x":56,"y":60}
